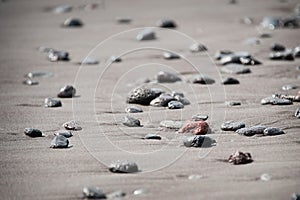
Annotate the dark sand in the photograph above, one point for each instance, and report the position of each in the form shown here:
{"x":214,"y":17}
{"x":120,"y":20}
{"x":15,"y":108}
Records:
{"x":29,"y":169}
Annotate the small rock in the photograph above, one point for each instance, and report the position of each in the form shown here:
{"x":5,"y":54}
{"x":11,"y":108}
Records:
{"x":73,"y":22}
{"x":115,"y":59}
{"x":232,"y":125}
{"x":203,"y":79}
{"x":33,"y":132}
{"x":151,"y":136}
{"x":270,"y":22}
{"x":43,"y":74}
{"x":162,"y":100}
{"x":288,"y":87}
{"x":166,"y":23}
{"x":175,"y":105}
{"x":275,"y":101}
{"x":195,"y":127}
{"x":286,"y":55}
{"x":233,"y":103}
{"x":235,"y":69}
{"x":50,"y":102}
{"x":295,"y":196}
{"x":167,"y":77}
{"x":198,"y":141}
{"x":59,"y":141}
{"x":265,"y":177}
{"x":170,"y":56}
{"x":297,"y":113}
{"x":140,"y":191}
{"x":199,"y":117}
{"x":123,"y":20}
{"x":197,"y":47}
{"x":142,"y":95}
{"x":116,"y":194}
{"x":67,"y":91}
{"x":265,"y":35}
{"x":291,"y":98}
{"x":30,"y":82}
{"x":271,"y":131}
{"x":123,"y":166}
{"x":93,"y":193}
{"x":171,"y":124}
{"x":243,"y":58}
{"x":89,"y":61}
{"x":230,"y":81}
{"x":146,"y":34}
{"x":54,"y":55}
{"x":133,"y":109}
{"x":240,"y":158}
{"x":277,"y":47}
{"x":250,"y":131}
{"x":131,"y":122}
{"x":72,"y":125}
{"x":64,"y":133}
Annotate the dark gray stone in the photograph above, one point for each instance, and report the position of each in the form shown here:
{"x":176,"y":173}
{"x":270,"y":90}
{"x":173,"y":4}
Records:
{"x":59,"y":141}
{"x":232,"y":125}
{"x":198,"y":141}
{"x":51,"y":103}
{"x":146,"y":34}
{"x":142,"y":95}
{"x":73,"y":22}
{"x":124,"y":20}
{"x":131,"y":122}
{"x":123,"y":166}
{"x":67,"y":91}
{"x":166,"y":23}
{"x":93,"y":193}
{"x":167,"y":77}
{"x":152,"y":136}
{"x":33,"y":132}
{"x":175,"y":105}
{"x":250,"y":131}
{"x":203,"y":79}
{"x":271,"y":131}
{"x":30,"y":82}
{"x":277,"y":47}
{"x":162,"y":100}
{"x":230,"y":81}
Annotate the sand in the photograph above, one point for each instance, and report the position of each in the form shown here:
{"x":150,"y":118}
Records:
{"x":31,"y":170}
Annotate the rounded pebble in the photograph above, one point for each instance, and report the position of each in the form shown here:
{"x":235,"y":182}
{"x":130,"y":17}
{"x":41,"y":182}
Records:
{"x":170,"y":56}
{"x":203,"y":79}
{"x":166,"y":23}
{"x":33,"y":132}
{"x":146,"y":34}
{"x":141,"y":95}
{"x":230,"y":81}
{"x":272,"y":131}
{"x":198,"y":141}
{"x":131,"y":122}
{"x":123,"y":166}
{"x":250,"y":131}
{"x":232,"y":125}
{"x":73,"y":22}
{"x":133,"y":109}
{"x":151,"y":136}
{"x":167,"y":77}
{"x":59,"y":141}
{"x":72,"y":125}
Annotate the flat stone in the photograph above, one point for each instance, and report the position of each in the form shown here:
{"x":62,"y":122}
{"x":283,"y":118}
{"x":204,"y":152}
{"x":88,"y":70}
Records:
{"x":171,"y":124}
{"x":72,"y":22}
{"x":277,"y":47}
{"x":275,"y":101}
{"x":198,"y":141}
{"x":133,"y":109}
{"x":233,"y":103}
{"x":151,"y":136}
{"x":170,"y":56}
{"x":297,"y":113}
{"x":30,"y":82}
{"x":203,"y":79}
{"x":51,"y":103}
{"x":146,"y":34}
{"x":230,"y":81}
{"x":59,"y":141}
{"x":89,"y":61}
{"x":235,"y":69}
{"x":93,"y":193}
{"x":197,"y":47}
{"x":162,"y":100}
{"x":167,"y":77}
{"x":250,"y":131}
{"x":67,"y":91}
{"x":199,"y":117}
{"x":65,"y":133}
{"x":272,"y":131}
{"x":240,"y":158}
{"x":56,"y":55}
{"x":123,"y":166}
{"x":166,"y":23}
{"x":175,"y":105}
{"x":72,"y":125}
{"x":131,"y":122}
{"x":33,"y":132}
{"x":288,"y":87}
{"x":195,"y":127}
{"x":142,"y":95}
{"x":232,"y":125}
{"x":243,"y":58}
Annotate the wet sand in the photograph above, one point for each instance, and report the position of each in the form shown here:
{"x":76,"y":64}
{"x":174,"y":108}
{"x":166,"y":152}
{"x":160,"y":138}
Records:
{"x":31,"y":170}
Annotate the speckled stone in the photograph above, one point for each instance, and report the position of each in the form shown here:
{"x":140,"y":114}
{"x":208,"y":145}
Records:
{"x":93,"y":193}
{"x":232,"y":125}
{"x":272,"y":131}
{"x":175,"y":105}
{"x":67,"y":91}
{"x":131,"y":122}
{"x":59,"y":141}
{"x":123,"y":166}
{"x":33,"y":132}
{"x":240,"y":158}
{"x":198,"y":141}
{"x":152,"y":136}
{"x":195,"y":127}
{"x":50,"y":102}
{"x":251,"y":131}
{"x":167,"y":77}
{"x":141,"y":95}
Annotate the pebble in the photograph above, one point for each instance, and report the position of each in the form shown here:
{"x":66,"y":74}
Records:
{"x":233,"y":103}
{"x":270,"y":22}
{"x":73,"y":22}
{"x":89,"y":61}
{"x":59,"y":141}
{"x":55,"y":55}
{"x":175,"y":105}
{"x":230,"y":81}
{"x":123,"y":20}
{"x":198,"y":141}
{"x":271,"y":131}
{"x":93,"y":193}
{"x":235,"y":69}
{"x":170,"y":56}
{"x":34,"y":74}
{"x":288,"y":87}
{"x":277,"y":47}
{"x":33,"y":132}
{"x":203,"y":79}
{"x":240,"y":158}
{"x":182,"y":100}
{"x":133,"y":109}
{"x":30,"y":82}
{"x":123,"y":166}
{"x":151,"y":136}
{"x":167,"y":77}
{"x":243,"y":58}
{"x":199,"y":117}
{"x":142,"y":95}
{"x":171,"y":124}
{"x":286,"y":55}
{"x":197,"y":47}
{"x":62,"y":9}
{"x":275,"y":101}
{"x":291,"y":98}
{"x":297,"y":113}
{"x":131,"y":122}
{"x":166,"y":23}
{"x":265,"y":177}
{"x":67,"y":91}
{"x":72,"y":125}
{"x":232,"y":125}
{"x":265,"y":35}
{"x":195,"y":127}
{"x":250,"y":131}
{"x":146,"y":34}
{"x":50,"y":102}
{"x":116,"y":194}
{"x":115,"y":59}
{"x":162,"y":100}
{"x":140,"y":191}
{"x":65,"y":133}
{"x":295,"y":196}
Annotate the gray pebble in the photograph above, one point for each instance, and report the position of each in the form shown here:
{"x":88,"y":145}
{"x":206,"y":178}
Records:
{"x":151,"y":136}
{"x":131,"y":122}
{"x":297,"y":113}
{"x":250,"y":131}
{"x":115,"y":59}
{"x":233,"y":103}
{"x":55,"y":55}
{"x":170,"y":56}
{"x":166,"y":23}
{"x":167,"y":77}
{"x":73,"y":22}
{"x":275,"y":101}
{"x":116,"y":194}
{"x":133,"y":109}
{"x":197,"y":47}
{"x":65,"y":133}
{"x":140,"y":191}
{"x":162,"y":100}
{"x":271,"y":131}
{"x":34,"y":74}
{"x":171,"y":124}
{"x":277,"y":47}
{"x":72,"y":125}
{"x":142,"y":95}
{"x":93,"y":193}
{"x":62,"y":9}
{"x":235,"y":69}
{"x":123,"y":166}
{"x":50,"y":102}
{"x":146,"y":34}
{"x":59,"y":141}
{"x":265,"y":35}
{"x":89,"y":61}
{"x":288,"y":87}
{"x":297,"y":52}
{"x":199,"y":117}
{"x":198,"y":141}
{"x":175,"y":105}
{"x":232,"y":125}
{"x":30,"y":82}
{"x":230,"y":81}
{"x":67,"y":91}
{"x":183,"y":100}
{"x":174,"y":94}
{"x":203,"y":79}
{"x":33,"y":132}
